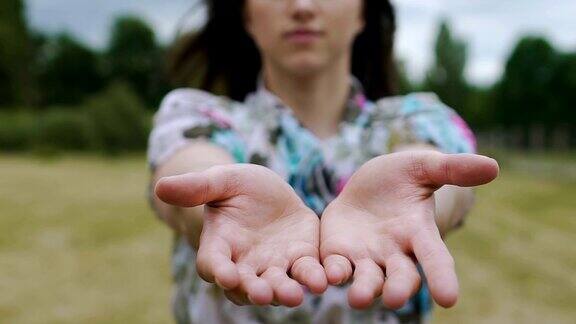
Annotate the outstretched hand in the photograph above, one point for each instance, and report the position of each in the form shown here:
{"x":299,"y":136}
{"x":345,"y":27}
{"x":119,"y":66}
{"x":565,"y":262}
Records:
{"x":259,"y":241}
{"x":384,"y":219}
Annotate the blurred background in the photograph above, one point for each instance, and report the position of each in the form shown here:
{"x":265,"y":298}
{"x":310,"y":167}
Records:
{"x":80,"y":81}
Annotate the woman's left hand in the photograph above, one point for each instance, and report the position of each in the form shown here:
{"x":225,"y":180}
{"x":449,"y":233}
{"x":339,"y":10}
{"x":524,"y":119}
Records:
{"x":384,"y":219}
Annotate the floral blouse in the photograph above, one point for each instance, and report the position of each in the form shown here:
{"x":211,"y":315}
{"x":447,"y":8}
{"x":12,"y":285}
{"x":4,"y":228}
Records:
{"x":262,"y":130}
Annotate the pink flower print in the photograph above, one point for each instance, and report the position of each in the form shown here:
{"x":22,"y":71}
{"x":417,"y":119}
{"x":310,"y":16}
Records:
{"x":465,"y":130}
{"x":360,"y":101}
{"x":341,"y":183}
{"x":220,"y":119}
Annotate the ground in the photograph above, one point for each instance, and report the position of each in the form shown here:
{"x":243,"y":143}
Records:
{"x":78,"y":244}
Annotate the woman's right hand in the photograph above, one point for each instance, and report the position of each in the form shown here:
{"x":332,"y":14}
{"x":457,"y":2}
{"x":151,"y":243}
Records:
{"x":259,"y":240}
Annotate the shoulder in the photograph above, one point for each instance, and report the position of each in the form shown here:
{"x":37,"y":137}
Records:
{"x":190,"y":95}
{"x":411,"y":104}
{"x":187,"y":102}
{"x":188,"y":114}
{"x":423,"y":117}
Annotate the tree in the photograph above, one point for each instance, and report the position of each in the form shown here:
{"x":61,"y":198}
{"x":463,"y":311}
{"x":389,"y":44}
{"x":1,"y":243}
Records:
{"x":134,"y":57}
{"x":446,"y":76}
{"x":563,"y":86}
{"x":564,"y":89}
{"x":524,"y":96}
{"x":69,"y":71}
{"x":118,"y":117}
{"x":14,"y":54}
{"x":479,"y":112}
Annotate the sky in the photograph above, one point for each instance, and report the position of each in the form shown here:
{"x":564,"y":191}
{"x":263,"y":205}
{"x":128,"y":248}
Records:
{"x":490,"y":27}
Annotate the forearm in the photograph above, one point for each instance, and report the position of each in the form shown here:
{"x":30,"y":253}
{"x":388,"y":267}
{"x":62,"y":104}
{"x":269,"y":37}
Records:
{"x":198,"y":156}
{"x":183,"y":221}
{"x":452,"y":205}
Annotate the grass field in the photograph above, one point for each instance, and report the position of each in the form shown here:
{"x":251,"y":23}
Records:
{"x":78,"y":244}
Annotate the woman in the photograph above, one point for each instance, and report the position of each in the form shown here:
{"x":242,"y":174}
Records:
{"x":312,"y":187}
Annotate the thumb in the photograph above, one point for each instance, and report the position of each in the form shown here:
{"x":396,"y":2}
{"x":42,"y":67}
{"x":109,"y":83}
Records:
{"x":197,"y":188}
{"x":464,"y":170}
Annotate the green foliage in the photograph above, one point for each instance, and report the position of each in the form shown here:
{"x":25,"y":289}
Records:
{"x":479,"y":109}
{"x":446,"y":77}
{"x":117,"y":118}
{"x":113,"y":122}
{"x":134,"y":56}
{"x":563,"y":83}
{"x":69,"y":71}
{"x":17,"y":130}
{"x":65,"y":130}
{"x":14,"y":55}
{"x":538,"y":86}
{"x":524,"y":95}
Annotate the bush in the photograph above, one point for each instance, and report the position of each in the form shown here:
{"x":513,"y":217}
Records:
{"x":112,"y":122}
{"x":17,"y":130}
{"x":117,"y":119}
{"x":66,"y":130}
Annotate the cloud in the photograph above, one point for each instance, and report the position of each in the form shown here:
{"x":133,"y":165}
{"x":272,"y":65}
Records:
{"x":91,"y":20}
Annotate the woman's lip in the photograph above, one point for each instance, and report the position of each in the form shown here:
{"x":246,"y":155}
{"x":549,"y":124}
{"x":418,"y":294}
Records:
{"x":302,"y":36}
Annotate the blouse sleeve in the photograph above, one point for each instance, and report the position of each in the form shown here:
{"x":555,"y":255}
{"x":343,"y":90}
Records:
{"x":188,"y":114}
{"x":427,"y":120}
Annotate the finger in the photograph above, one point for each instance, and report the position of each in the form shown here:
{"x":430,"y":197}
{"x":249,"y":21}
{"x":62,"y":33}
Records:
{"x":338,"y":269}
{"x":309,"y":272}
{"x":465,"y":170}
{"x":257,"y":289}
{"x":198,"y":188}
{"x":214,"y":264}
{"x":438,"y":266}
{"x":237,"y":296}
{"x":402,"y":281}
{"x":287,"y":291}
{"x":367,"y":285}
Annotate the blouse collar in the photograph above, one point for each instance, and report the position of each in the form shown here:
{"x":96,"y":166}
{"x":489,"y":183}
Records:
{"x":355,"y":105}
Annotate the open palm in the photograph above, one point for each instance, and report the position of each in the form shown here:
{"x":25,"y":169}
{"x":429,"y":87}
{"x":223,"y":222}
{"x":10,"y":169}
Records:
{"x":259,"y":241}
{"x":383,"y":222}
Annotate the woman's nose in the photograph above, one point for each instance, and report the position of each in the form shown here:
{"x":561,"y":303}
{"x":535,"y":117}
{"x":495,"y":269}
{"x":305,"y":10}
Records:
{"x":304,"y":2}
{"x":303,"y":9}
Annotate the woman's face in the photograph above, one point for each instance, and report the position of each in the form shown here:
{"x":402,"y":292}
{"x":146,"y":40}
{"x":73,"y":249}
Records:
{"x":303,"y":36}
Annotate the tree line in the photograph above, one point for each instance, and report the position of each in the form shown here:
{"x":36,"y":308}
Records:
{"x":39,"y":70}
{"x":58,"y":94}
{"x":54,"y":81}
{"x":533,"y":101}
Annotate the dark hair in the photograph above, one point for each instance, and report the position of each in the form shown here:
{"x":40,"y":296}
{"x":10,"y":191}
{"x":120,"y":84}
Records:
{"x":222,"y":58}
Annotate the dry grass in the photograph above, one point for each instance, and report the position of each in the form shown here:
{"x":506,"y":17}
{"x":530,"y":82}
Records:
{"x":516,"y":255}
{"x":78,"y":244}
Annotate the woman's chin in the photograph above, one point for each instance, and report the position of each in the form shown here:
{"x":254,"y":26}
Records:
{"x":305,"y":67}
